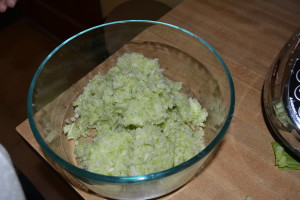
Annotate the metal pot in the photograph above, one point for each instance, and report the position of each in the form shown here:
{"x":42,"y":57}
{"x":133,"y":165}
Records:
{"x":282,"y":94}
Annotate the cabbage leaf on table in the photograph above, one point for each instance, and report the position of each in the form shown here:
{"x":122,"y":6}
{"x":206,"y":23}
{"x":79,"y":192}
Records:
{"x":283,"y":160}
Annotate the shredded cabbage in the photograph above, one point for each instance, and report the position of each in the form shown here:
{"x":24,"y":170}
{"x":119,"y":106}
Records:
{"x":140,"y":122}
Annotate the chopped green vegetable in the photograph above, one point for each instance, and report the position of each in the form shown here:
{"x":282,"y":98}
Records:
{"x":281,"y":114}
{"x":248,"y":198}
{"x":283,"y":160}
{"x":140,"y":122}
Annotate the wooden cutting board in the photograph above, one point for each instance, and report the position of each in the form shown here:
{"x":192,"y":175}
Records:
{"x":248,"y":35}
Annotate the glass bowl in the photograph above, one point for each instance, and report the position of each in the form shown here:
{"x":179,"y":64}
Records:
{"x":184,"y":56}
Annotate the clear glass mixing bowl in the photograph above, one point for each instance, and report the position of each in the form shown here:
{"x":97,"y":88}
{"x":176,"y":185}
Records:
{"x":184,"y":56}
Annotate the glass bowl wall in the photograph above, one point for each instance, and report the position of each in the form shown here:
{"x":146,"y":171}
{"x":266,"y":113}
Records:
{"x":61,"y":77}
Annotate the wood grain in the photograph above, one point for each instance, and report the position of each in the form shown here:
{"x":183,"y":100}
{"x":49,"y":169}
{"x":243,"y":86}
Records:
{"x":248,"y":35}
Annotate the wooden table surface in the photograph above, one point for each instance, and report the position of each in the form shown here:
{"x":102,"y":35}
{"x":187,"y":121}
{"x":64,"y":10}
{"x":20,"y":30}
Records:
{"x":248,"y":35}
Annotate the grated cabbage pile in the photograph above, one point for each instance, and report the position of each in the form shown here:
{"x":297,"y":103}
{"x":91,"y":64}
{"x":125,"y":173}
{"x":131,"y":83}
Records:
{"x":140,"y":122}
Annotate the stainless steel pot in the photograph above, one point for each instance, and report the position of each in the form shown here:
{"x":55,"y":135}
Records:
{"x":282,"y":94}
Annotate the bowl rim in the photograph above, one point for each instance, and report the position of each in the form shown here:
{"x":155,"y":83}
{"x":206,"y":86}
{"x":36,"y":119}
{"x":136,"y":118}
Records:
{"x":84,"y":174}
